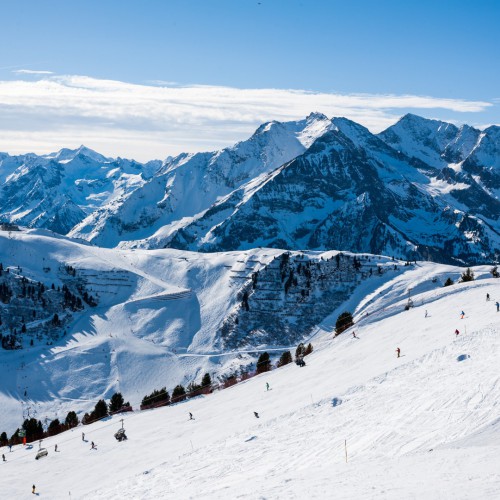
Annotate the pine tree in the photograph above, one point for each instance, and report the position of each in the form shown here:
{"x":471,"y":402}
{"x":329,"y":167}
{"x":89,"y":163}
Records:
{"x":206,"y":383}
{"x":344,"y":321}
{"x":55,"y":320}
{"x":178,"y":394}
{"x":449,"y":282}
{"x":100,"y":410}
{"x":309,"y":349}
{"x":206,"y":380}
{"x":55,"y":427}
{"x":263,"y":363}
{"x":156,"y":398}
{"x":193,"y":390}
{"x":116,"y":402}
{"x":33,"y":428}
{"x":244,"y":301}
{"x":71,"y":420}
{"x":285,"y":359}
{"x":467,"y":275}
{"x":300,"y":351}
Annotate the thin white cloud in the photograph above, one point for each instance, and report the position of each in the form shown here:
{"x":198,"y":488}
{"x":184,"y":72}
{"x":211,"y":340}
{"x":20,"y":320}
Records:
{"x":148,"y":121}
{"x":32,"y":72}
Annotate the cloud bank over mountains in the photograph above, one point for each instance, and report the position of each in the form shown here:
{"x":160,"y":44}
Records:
{"x":41,"y":112}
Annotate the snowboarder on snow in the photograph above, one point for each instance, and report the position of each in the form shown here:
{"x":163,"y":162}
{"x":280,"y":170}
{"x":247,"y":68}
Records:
{"x":256,"y":414}
{"x":457,"y":332}
{"x":267,"y":386}
{"x":462,"y":314}
{"x":398,"y":352}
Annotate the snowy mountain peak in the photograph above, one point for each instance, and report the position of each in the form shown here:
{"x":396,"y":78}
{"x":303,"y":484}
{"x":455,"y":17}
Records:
{"x":411,"y":120}
{"x":351,"y":129}
{"x":315,"y":115}
{"x":66,"y":154}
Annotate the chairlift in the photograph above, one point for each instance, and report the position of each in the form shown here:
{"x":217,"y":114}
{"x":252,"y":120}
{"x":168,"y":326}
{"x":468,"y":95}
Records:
{"x":120,"y":435}
{"x":42,"y":452}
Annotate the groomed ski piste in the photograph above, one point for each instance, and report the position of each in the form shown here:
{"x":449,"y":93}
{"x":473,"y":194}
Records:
{"x":355,"y":422}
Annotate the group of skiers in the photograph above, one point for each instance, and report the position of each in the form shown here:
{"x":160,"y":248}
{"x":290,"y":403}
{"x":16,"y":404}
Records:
{"x":300,"y":361}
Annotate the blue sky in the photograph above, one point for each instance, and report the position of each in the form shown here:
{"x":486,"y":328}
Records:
{"x":443,"y":50}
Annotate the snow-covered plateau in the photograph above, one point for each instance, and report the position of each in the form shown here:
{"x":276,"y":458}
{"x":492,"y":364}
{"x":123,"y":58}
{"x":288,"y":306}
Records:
{"x":356,"y":422}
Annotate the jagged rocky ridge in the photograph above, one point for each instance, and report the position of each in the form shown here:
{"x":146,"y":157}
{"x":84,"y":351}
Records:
{"x":421,"y":189}
{"x":352,"y":191}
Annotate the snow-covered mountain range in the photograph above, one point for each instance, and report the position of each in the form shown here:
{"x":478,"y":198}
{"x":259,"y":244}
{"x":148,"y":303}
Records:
{"x":57,"y":191}
{"x":421,"y":189}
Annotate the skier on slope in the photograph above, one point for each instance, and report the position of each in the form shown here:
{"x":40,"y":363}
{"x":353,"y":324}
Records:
{"x":354,"y":335}
{"x":33,"y":489}
{"x":456,"y":332}
{"x":487,"y":297}
{"x":267,"y":386}
{"x":498,"y":306}
{"x":398,"y":352}
{"x":3,"y":458}
{"x":83,"y":436}
{"x":462,"y":314}
{"x":191,"y":416}
{"x":256,"y":414}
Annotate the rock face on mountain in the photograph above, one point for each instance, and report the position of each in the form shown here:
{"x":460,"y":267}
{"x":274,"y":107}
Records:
{"x":289,"y":296}
{"x":422,"y":189}
{"x":190,"y":184}
{"x":352,"y":191}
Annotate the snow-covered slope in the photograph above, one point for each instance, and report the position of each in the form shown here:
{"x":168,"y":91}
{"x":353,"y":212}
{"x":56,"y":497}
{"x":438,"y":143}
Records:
{"x":152,"y":306}
{"x":356,"y":422}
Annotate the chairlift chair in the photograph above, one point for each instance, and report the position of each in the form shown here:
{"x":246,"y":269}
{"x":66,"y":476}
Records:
{"x":120,"y":435}
{"x":42,"y":452}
